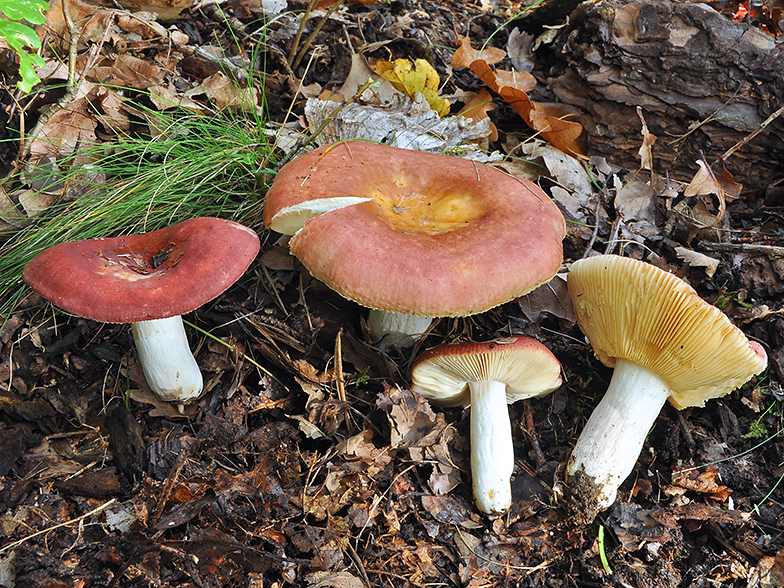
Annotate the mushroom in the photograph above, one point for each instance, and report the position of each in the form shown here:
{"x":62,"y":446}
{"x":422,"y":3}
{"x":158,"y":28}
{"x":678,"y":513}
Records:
{"x":665,"y":343}
{"x":487,"y":377}
{"x":414,"y":234}
{"x":149,"y":280}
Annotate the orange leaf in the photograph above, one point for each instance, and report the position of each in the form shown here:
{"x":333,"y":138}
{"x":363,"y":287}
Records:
{"x":520,"y":80}
{"x":549,"y":120}
{"x":477,"y":110}
{"x":466,"y":55}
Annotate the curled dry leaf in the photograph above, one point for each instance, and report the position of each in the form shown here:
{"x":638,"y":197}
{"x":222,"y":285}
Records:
{"x":704,"y":482}
{"x":720,"y":184}
{"x":648,"y":139}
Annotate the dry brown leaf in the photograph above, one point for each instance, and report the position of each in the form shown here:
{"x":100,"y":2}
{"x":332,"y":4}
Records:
{"x":648,"y":139}
{"x":333,"y":580}
{"x":466,"y":55}
{"x":551,"y":298}
{"x":129,"y":71}
{"x":705,"y":182}
{"x":68,"y":128}
{"x":167,"y":10}
{"x":224,"y":94}
{"x":696,"y":259}
{"x":703,"y":482}
{"x":91,"y":20}
{"x":520,"y":49}
{"x":322,"y":4}
{"x":477,"y":109}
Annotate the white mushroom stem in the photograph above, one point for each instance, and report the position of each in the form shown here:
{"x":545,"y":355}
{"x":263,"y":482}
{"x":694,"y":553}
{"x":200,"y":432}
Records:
{"x":492,"y":453}
{"x":166,"y":359}
{"x":396,"y":329}
{"x":613,"y":437}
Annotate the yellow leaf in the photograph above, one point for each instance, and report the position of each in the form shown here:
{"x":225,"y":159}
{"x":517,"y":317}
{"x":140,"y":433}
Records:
{"x":411,"y":78}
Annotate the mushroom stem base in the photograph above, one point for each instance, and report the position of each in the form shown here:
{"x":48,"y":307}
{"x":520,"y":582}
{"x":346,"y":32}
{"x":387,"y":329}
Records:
{"x":396,"y":329}
{"x":166,"y":359}
{"x":492,"y":452}
{"x":612,"y":439}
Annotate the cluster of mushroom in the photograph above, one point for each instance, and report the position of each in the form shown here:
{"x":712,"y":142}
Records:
{"x":452,"y":237}
{"x":429,"y":236}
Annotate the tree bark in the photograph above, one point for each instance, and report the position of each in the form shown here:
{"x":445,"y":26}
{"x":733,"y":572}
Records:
{"x":703,"y":82}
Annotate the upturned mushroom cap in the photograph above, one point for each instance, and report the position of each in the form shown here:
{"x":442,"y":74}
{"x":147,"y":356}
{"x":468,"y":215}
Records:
{"x":525,"y":366}
{"x":415,"y":233}
{"x":153,"y":275}
{"x":633,"y":310}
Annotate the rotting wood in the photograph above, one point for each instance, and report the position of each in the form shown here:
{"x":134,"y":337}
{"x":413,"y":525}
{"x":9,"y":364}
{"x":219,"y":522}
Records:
{"x":703,"y":81}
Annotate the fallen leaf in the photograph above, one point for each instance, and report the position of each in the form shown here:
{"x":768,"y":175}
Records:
{"x":412,"y":78}
{"x":551,"y":298}
{"x":333,"y":580}
{"x":633,"y":526}
{"x":477,"y":108}
{"x":696,"y":259}
{"x":634,"y":201}
{"x":703,"y":482}
{"x":520,"y":49}
{"x":721,"y":184}
{"x":466,"y":55}
{"x":648,"y":139}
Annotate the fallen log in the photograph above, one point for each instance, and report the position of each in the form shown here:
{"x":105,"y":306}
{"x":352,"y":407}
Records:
{"x":703,"y":81}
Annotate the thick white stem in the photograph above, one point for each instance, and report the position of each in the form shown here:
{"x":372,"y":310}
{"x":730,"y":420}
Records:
{"x":395,"y":329}
{"x":613,"y":437}
{"x":492,"y":453}
{"x":166,"y":359}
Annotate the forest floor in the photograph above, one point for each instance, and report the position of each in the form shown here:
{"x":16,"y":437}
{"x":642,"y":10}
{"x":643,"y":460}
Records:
{"x":308,"y":461}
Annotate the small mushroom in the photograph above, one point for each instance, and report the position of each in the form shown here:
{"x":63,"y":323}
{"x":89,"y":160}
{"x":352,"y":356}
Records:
{"x":414,"y":235}
{"x":665,"y":343}
{"x":149,"y":280}
{"x":487,"y":377}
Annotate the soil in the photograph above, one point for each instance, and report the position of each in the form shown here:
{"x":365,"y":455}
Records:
{"x":309,"y":462}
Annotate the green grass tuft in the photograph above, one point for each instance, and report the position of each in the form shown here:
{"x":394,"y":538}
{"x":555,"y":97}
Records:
{"x":199,"y":165}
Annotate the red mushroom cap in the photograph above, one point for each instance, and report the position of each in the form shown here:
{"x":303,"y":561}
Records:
{"x":154,"y":275}
{"x":440,"y":236}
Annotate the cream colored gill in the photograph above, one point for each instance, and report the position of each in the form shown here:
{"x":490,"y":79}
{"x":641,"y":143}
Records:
{"x":291,"y":219}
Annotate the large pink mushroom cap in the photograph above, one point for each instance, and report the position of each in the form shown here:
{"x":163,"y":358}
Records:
{"x":415,"y":233}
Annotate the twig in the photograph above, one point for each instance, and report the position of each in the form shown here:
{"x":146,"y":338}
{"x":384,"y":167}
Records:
{"x":753,"y":134}
{"x":340,"y":383}
{"x":771,"y":250}
{"x":330,"y":11}
{"x":168,"y":486}
{"x":300,"y":30}
{"x":57,"y":526}
{"x":597,"y":216}
{"x":613,"y":241}
{"x":529,"y":428}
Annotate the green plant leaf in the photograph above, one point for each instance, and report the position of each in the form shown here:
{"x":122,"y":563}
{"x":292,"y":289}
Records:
{"x":30,"y":10}
{"x":19,"y":37}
